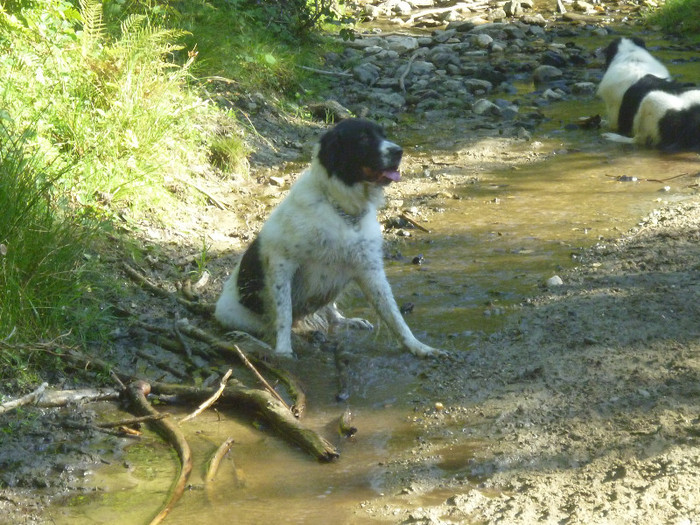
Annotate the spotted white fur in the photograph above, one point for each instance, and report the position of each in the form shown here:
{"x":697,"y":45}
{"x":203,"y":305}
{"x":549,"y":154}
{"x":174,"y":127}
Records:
{"x":321,"y":237}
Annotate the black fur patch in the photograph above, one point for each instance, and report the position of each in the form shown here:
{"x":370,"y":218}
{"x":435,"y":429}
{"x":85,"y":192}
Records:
{"x":352,"y":145}
{"x":680,"y":130}
{"x":251,"y":279}
{"x":636,"y":92}
{"x":612,"y":48}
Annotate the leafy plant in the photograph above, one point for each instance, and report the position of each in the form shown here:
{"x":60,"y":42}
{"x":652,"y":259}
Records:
{"x":677,"y":16}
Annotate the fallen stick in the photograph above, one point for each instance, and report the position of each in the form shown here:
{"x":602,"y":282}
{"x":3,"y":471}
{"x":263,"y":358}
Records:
{"x":215,"y":460}
{"x":130,"y":421}
{"x":258,"y":401}
{"x":32,"y":397}
{"x":225,"y":349}
{"x":326,"y":72}
{"x":211,"y":400}
{"x":58,"y":398}
{"x":414,"y":223}
{"x":262,"y":380}
{"x":268,"y":408}
{"x":402,"y":78}
{"x":136,"y":393}
{"x":196,"y":307}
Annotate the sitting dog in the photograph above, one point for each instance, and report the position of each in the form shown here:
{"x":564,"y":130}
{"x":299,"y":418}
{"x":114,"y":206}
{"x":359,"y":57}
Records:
{"x":643,"y":104}
{"x":321,"y":237}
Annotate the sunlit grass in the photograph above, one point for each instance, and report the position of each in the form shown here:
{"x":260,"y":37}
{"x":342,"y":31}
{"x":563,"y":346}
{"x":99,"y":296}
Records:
{"x":678,"y":16}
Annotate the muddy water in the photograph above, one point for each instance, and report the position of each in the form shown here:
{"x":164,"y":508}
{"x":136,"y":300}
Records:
{"x":510,"y":229}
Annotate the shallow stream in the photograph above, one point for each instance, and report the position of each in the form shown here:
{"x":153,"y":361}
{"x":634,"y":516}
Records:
{"x":507,"y":232}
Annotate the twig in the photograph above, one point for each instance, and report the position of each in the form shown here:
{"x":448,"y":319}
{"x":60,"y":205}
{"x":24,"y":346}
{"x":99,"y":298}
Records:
{"x":216,"y":202}
{"x":32,"y":397}
{"x":324,"y":72}
{"x":136,"y":393}
{"x":215,"y":460}
{"x":131,"y":421}
{"x":260,"y":378}
{"x":146,"y":283}
{"x":414,"y":223}
{"x":209,"y":402}
{"x":403,"y":76}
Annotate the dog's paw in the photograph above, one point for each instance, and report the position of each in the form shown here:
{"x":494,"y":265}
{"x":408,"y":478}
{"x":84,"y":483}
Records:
{"x":421,"y":350}
{"x":284,"y":351}
{"x":357,"y":323}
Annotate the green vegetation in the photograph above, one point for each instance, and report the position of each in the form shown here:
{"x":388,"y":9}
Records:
{"x":678,"y":16}
{"x":102,"y":106}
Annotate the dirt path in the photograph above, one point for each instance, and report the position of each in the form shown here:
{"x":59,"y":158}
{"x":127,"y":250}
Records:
{"x":584,"y":410}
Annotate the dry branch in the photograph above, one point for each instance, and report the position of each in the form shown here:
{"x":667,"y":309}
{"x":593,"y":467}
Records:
{"x":131,"y":421}
{"x":136,"y":392}
{"x":196,"y":307}
{"x":226,"y":350}
{"x":32,"y":397}
{"x":57,"y":398}
{"x":264,"y":405}
{"x":262,"y":380}
{"x":211,"y":400}
{"x":215,"y":460}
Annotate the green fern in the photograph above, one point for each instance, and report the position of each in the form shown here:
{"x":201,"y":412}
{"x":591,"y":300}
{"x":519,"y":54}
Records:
{"x":93,"y":25}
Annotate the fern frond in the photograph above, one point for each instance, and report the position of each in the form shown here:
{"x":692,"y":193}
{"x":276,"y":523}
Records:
{"x":93,"y":25}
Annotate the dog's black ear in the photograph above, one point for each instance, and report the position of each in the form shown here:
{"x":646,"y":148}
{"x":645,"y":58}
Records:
{"x":328,"y":151}
{"x":610,"y":51}
{"x":639,"y":42}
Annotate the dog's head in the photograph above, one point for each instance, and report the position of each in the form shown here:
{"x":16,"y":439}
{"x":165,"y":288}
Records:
{"x":357,"y":150}
{"x":621,"y":46}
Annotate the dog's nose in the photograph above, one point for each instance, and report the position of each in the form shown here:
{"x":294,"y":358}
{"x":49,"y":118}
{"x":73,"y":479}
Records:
{"x":394,"y":152}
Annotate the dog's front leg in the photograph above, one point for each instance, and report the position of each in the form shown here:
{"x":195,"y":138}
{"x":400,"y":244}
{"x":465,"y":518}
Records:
{"x":280,"y":291}
{"x":378,"y":292}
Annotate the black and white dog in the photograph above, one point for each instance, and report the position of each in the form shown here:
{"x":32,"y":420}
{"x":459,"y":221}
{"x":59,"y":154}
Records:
{"x":321,"y":237}
{"x":644,"y":106}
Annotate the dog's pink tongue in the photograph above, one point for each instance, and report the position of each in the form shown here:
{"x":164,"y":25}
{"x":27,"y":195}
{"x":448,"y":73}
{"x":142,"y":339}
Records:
{"x":392,"y":175}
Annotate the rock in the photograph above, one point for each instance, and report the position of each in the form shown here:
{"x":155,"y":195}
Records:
{"x":477,"y":86}
{"x":401,"y":44}
{"x":329,"y":109}
{"x":482,"y":40}
{"x":584,"y":7}
{"x":390,"y":99}
{"x":513,"y":8}
{"x":366,"y":73}
{"x":485,"y":107}
{"x":534,"y":20}
{"x":544,"y":74}
{"x":554,"y":281}
{"x":584,"y":88}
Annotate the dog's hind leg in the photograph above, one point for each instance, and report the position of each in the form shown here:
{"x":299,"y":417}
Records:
{"x":337,"y":319}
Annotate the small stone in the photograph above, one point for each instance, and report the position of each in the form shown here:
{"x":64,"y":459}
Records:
{"x":554,"y":281}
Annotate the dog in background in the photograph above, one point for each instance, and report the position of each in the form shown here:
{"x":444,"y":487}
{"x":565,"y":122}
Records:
{"x":322,"y":236}
{"x":643,"y":105}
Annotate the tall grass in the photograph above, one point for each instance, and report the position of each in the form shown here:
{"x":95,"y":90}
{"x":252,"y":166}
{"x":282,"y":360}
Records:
{"x":678,"y":16}
{"x":42,"y":263}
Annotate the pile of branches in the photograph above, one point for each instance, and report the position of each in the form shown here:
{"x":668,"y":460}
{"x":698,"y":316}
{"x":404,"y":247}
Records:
{"x":280,"y":408}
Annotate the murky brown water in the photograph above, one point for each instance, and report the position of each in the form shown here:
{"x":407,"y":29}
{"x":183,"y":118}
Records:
{"x":487,"y":251}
